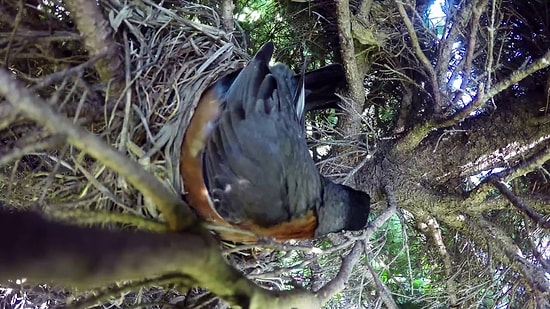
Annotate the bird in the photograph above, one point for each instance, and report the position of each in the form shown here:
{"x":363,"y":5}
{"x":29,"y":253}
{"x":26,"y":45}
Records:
{"x":244,"y":160}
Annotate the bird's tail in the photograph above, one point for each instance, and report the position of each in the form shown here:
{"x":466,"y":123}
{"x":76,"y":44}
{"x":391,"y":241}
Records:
{"x":313,"y":90}
{"x":320,"y":86}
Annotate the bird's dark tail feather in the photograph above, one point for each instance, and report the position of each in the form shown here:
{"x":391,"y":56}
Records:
{"x":321,"y":84}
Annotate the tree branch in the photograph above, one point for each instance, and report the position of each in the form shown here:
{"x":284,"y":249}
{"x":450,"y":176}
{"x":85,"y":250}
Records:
{"x":382,"y":289}
{"x":98,"y":38}
{"x":16,"y":23}
{"x":351,"y":123}
{"x":477,"y":10}
{"x":435,"y":232}
{"x":422,"y":57}
{"x":534,"y":162}
{"x":482,"y":96}
{"x":516,"y":201}
{"x":84,"y":258}
{"x":533,"y":276}
{"x":337,"y":284}
{"x":91,"y":257}
{"x":385,"y":292}
{"x":365,"y":8}
{"x":518,"y":75}
{"x":457,"y":19}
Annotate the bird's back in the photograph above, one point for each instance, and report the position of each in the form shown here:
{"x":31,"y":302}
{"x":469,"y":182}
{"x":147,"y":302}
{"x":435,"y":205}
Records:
{"x":257,"y":165}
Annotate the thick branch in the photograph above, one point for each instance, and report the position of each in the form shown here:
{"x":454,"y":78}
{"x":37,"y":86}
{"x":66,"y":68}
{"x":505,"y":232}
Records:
{"x":512,"y":137}
{"x":89,"y":257}
{"x":348,"y":53}
{"x":531,"y":164}
{"x":518,"y":75}
{"x":533,"y":276}
{"x":538,"y":203}
{"x":411,"y":141}
{"x":176,"y":213}
{"x":365,"y":8}
{"x":85,"y":258}
{"x":98,"y":37}
{"x":351,"y":124}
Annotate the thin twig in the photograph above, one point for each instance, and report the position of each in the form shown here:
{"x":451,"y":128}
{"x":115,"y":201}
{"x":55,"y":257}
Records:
{"x":18,"y":18}
{"x":59,"y":75}
{"x":337,"y":283}
{"x":483,"y":96}
{"x":18,"y":153}
{"x":382,"y":289}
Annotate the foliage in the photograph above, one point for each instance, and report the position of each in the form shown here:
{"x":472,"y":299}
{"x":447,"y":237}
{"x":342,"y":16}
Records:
{"x":295,"y":28}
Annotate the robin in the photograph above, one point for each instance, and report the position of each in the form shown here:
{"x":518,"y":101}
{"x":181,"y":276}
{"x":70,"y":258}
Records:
{"x":245,"y":163}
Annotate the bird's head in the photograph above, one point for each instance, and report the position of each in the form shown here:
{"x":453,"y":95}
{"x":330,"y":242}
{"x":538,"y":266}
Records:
{"x":343,"y":208}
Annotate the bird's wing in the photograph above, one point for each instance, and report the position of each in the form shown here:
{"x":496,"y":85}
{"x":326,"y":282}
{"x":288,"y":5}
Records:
{"x":256,"y":163}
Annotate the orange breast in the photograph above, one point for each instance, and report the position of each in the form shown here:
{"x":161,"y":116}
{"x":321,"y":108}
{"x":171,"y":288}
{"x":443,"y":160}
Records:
{"x":301,"y":228}
{"x":194,"y":141}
